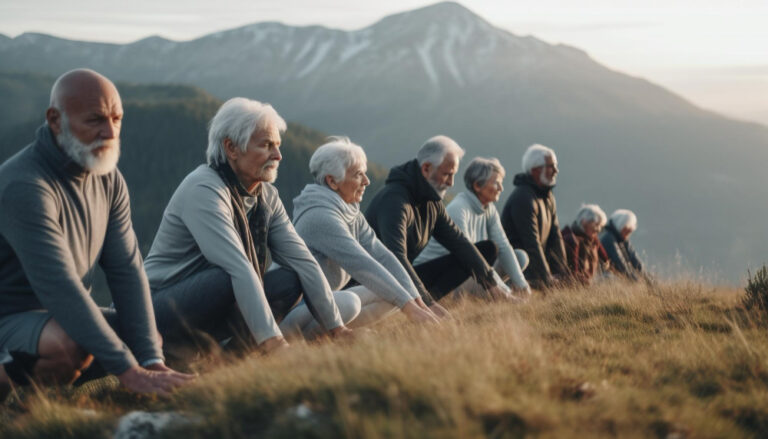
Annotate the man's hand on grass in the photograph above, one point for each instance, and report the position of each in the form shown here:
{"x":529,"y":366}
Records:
{"x":159,"y":379}
{"x":417,"y":314}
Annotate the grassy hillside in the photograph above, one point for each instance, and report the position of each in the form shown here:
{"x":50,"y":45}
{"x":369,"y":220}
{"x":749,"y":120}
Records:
{"x":677,"y":360}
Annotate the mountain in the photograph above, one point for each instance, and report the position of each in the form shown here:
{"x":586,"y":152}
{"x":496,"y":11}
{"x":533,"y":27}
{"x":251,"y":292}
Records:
{"x":694,"y":178}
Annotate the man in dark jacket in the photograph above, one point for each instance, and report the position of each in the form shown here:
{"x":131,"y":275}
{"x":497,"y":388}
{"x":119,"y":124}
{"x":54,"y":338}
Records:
{"x":615,"y":240}
{"x":409,"y":210}
{"x":530,"y":218}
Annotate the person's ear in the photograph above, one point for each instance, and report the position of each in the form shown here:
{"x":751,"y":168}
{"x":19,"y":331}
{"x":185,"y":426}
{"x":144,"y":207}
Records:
{"x":53,"y":117}
{"x":331,"y":183}
{"x":476,"y":186}
{"x":426,"y":169}
{"x":230,"y":149}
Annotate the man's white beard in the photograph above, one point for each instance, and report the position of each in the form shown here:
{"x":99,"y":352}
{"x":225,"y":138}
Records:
{"x":82,"y":154}
{"x":439,"y":188}
{"x":268,"y":174}
{"x":545,"y":181}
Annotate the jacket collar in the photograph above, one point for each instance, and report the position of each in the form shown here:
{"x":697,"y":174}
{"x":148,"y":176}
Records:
{"x":474,"y":202}
{"x":409,"y":175}
{"x":611,"y":228}
{"x":55,"y":157}
{"x":524,"y":179}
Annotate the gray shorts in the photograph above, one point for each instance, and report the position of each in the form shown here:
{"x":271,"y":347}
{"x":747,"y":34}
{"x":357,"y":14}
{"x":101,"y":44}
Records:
{"x":21,"y":332}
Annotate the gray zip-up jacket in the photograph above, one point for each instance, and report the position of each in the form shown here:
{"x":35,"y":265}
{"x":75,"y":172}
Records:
{"x":346,"y":247}
{"x":57,"y":222}
{"x":197,"y":232}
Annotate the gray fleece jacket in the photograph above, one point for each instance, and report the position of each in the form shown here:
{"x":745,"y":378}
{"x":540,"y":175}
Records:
{"x":57,"y":222}
{"x":197,"y":232}
{"x":346,"y":247}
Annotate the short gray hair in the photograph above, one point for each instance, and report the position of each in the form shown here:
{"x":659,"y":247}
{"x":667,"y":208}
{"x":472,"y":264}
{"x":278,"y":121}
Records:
{"x":535,"y":156}
{"x":436,"y":148}
{"x":334,"y":158}
{"x":480,"y":170}
{"x":237,"y":120}
{"x":623,"y":218}
{"x":591,"y":213}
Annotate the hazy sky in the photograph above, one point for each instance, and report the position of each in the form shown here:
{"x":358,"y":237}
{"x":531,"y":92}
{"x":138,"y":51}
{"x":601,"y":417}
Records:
{"x":713,"y":52}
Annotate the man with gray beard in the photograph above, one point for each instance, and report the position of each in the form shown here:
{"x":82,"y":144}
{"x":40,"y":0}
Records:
{"x":409,"y":210}
{"x":65,"y":208}
{"x":530,"y":219}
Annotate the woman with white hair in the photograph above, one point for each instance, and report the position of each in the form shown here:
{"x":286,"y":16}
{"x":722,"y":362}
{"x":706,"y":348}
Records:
{"x":615,"y":240}
{"x":474,"y":212}
{"x":327,"y":216}
{"x":582,"y":246}
{"x":207,"y":266}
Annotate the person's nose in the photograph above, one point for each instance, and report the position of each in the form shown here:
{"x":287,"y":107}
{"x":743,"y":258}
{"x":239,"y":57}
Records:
{"x":366,"y":181}
{"x":109,"y":130}
{"x":276,"y":155}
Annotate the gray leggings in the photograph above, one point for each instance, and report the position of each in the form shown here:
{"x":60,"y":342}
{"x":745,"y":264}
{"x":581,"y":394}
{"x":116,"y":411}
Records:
{"x":205,"y":302}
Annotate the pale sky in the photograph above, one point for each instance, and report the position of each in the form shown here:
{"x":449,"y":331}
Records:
{"x":713,"y":52}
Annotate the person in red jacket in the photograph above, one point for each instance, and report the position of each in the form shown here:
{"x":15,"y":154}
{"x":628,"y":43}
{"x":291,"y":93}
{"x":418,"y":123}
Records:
{"x":583,"y":250}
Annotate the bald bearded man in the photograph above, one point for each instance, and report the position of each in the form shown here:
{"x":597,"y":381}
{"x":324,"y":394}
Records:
{"x":65,"y":208}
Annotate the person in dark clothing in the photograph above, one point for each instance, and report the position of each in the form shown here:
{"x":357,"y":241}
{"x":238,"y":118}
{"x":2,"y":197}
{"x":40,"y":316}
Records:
{"x":615,"y":240}
{"x":582,"y":246}
{"x":409,"y":210}
{"x":530,"y":219}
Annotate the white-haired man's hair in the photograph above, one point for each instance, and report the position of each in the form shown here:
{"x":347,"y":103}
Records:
{"x":238,"y":119}
{"x":436,"y":148}
{"x":624,"y":218}
{"x":591,"y":213}
{"x":334,"y":158}
{"x":536,"y":155}
{"x":480,"y":170}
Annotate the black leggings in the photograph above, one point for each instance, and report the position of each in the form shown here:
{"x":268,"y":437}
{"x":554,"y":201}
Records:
{"x":444,"y":274}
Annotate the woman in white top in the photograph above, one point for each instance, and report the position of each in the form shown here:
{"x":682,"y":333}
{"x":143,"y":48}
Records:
{"x":475,"y":214}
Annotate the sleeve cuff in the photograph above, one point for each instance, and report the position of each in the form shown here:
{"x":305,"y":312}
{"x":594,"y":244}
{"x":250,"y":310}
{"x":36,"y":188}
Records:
{"x":151,"y":361}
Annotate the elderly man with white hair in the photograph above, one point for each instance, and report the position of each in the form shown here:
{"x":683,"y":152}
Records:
{"x":207,"y":264}
{"x":409,"y":210}
{"x":475,"y":214}
{"x":582,"y":246}
{"x":327,"y":216}
{"x":530,"y":218}
{"x":615,"y":240}
{"x":65,"y":210}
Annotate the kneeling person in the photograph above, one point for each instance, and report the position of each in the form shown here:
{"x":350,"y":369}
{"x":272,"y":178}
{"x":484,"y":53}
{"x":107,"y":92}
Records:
{"x":476,"y":216}
{"x":65,"y":208}
{"x":409,"y":210}
{"x":207,"y":263}
{"x":327,"y":216}
{"x":615,"y":240}
{"x":583,"y":250}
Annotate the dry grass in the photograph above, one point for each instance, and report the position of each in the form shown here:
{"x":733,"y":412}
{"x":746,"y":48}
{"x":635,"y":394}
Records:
{"x":676,"y":360}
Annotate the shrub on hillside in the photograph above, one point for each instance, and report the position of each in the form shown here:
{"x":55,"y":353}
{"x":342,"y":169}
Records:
{"x":757,"y":289}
